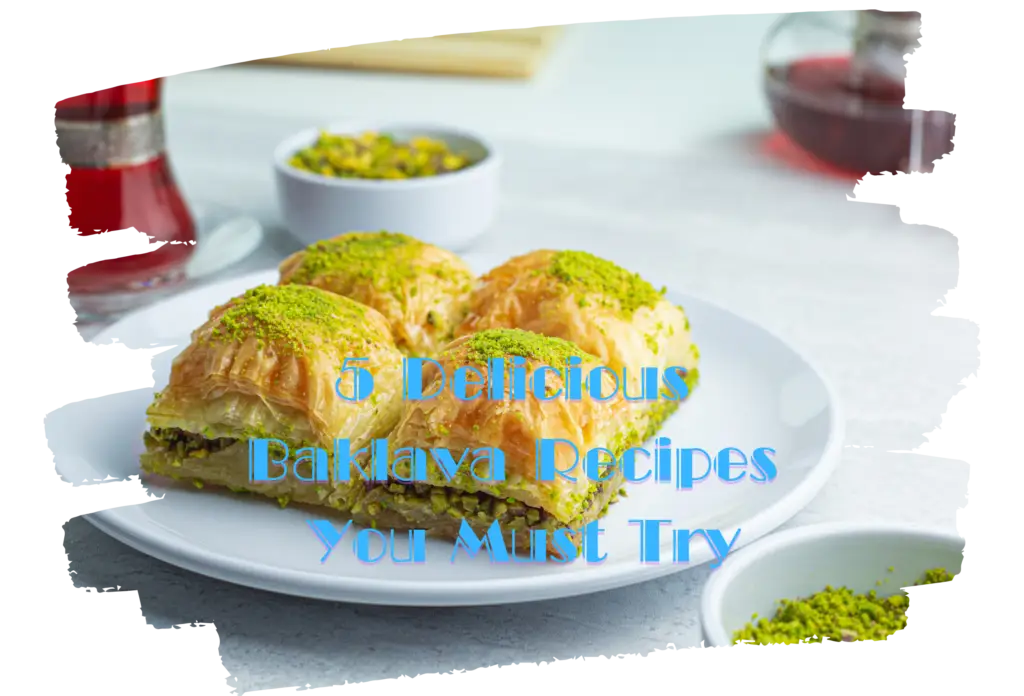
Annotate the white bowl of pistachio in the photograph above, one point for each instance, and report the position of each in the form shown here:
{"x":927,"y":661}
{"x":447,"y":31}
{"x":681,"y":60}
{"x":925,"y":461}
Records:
{"x":437,"y":184}
{"x":839,"y":582}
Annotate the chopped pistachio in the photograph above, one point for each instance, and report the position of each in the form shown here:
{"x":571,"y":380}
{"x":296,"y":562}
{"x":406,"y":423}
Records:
{"x":589,"y":275}
{"x":377,"y":156}
{"x":294,"y":317}
{"x":502,"y":343}
{"x":391,"y":261}
{"x":836,"y":614}
{"x":652,"y":343}
{"x":438,"y":501}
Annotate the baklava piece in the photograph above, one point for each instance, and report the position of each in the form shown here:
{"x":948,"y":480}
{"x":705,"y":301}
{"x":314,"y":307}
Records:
{"x":267,"y":364}
{"x":607,"y":311}
{"x":522,"y":501}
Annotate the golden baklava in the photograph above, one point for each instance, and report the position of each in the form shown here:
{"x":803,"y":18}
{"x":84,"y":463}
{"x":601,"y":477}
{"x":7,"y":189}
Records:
{"x":606,"y":310}
{"x":525,"y":498}
{"x":421,"y":289}
{"x":271,"y":364}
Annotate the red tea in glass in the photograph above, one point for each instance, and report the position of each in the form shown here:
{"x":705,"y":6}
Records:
{"x":836,"y":84}
{"x":855,"y":121}
{"x":120,"y":177}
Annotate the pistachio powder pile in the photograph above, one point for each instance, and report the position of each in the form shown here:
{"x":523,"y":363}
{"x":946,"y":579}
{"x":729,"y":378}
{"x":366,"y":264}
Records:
{"x":835,"y":614}
{"x":492,"y":344}
{"x":377,"y":156}
{"x":390,"y":259}
{"x":295,"y":317}
{"x":591,"y":275}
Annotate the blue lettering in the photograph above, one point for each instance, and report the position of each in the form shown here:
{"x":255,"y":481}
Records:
{"x":675,"y":383}
{"x":328,"y":535}
{"x":460,"y":381}
{"x":724,"y":464}
{"x":629,"y":465}
{"x":417,"y":464}
{"x":417,"y":547}
{"x":650,"y":539}
{"x":260,"y":461}
{"x":592,"y":464}
{"x":318,"y":465}
{"x":540,"y":388}
{"x":761,"y":458}
{"x":591,"y":542}
{"x":412,"y":375}
{"x":684,"y":468}
{"x":545,"y":458}
{"x":492,"y":541}
{"x":362,"y":545}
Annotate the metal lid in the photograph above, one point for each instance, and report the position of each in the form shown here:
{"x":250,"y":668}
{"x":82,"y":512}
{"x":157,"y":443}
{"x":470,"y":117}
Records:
{"x":110,"y":144}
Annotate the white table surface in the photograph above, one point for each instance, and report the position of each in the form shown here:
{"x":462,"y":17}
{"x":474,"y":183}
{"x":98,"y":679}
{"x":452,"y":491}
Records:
{"x":645,"y":156}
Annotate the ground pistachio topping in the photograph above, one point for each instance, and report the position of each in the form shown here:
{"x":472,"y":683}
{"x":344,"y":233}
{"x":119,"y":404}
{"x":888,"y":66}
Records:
{"x":502,"y":343}
{"x":586,"y":273}
{"x":390,"y":259}
{"x":835,"y":614}
{"x":292,"y":316}
{"x":359,"y":255}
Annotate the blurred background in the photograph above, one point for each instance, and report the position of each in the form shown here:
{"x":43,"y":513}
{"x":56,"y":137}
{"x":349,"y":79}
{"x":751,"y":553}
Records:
{"x":684,"y":97}
{"x":720,"y":128}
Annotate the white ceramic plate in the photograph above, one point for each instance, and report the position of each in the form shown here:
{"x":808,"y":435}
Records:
{"x":755,"y":391}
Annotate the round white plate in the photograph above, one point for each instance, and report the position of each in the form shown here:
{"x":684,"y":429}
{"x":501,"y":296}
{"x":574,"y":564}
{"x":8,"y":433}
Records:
{"x":755,"y":391}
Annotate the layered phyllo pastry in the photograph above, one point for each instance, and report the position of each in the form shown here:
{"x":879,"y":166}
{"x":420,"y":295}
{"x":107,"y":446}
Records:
{"x":607,"y":311}
{"x":270,"y":364}
{"x":522,"y":499}
{"x":422,"y":290}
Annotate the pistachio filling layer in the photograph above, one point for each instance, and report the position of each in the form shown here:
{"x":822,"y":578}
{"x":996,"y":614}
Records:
{"x":457,"y":504}
{"x":402,"y":497}
{"x":184,"y":444}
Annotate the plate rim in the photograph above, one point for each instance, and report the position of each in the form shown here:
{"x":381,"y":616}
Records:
{"x":438,"y":593}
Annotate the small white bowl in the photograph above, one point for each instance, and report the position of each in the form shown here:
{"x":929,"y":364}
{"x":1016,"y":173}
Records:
{"x":449,"y":210}
{"x":800,"y":562}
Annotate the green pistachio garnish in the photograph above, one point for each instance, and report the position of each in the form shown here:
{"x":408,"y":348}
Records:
{"x":504,"y":343}
{"x":836,"y":614}
{"x":377,"y":156}
{"x":358,"y":254}
{"x":586,"y":274}
{"x":392,"y":262}
{"x":296,"y":318}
